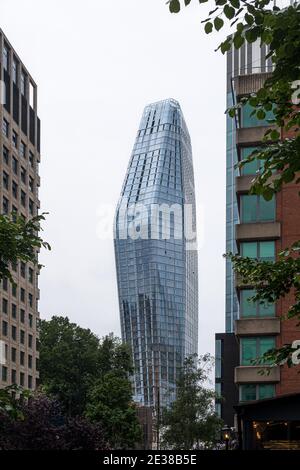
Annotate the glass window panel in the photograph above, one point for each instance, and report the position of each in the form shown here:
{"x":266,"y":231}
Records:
{"x":247,"y":392}
{"x":252,"y":121}
{"x":252,"y":167}
{"x":266,"y":309}
{"x":248,"y":308}
{"x":248,"y":209}
{"x":266,"y":391}
{"x":265,"y":344}
{"x":267,"y":251}
{"x":249,"y":249}
{"x":248,"y":351}
{"x":266,"y":209}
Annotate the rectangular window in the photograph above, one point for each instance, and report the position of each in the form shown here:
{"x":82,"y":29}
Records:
{"x":22,"y":336}
{"x":248,"y":308}
{"x":13,"y":376}
{"x":249,"y":120}
{"x":5,"y":155}
{"x":4,"y":306}
{"x":264,"y":251}
{"x":23,"y":198}
{"x":22,"y":379}
{"x":23,"y":84}
{"x":15,"y":71}
{"x":29,"y":381}
{"x":30,"y":275}
{"x":4,"y":328}
{"x":250,"y":168}
{"x":15,"y":165}
{"x":23,"y":175}
{"x":22,"y":358}
{"x":30,"y":341}
{"x":30,"y":320}
{"x":13,"y":354}
{"x":31,"y":159}
{"x":252,"y":348}
{"x":14,"y":333}
{"x":22,"y":150}
{"x":5,"y":205}
{"x":15,"y":139}
{"x":14,"y":311}
{"x":5,"y":127}
{"x":22,"y":295}
{"x":5,"y":180}
{"x":4,"y":374}
{"x":15,"y":189}
{"x":218,"y":359}
{"x":5,"y":58}
{"x":22,"y":315}
{"x":256,"y":209}
{"x":251,"y":392}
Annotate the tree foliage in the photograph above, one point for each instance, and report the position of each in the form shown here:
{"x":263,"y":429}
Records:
{"x":191,"y":422}
{"x":41,"y":425}
{"x":19,"y":241}
{"x":279,"y":157}
{"x":90,"y":377}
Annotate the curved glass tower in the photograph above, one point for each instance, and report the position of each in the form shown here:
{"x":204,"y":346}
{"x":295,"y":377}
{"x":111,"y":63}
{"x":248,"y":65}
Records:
{"x":156,"y":253}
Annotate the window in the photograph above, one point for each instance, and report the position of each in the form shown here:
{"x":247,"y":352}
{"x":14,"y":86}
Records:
{"x":22,"y":316}
{"x":252,"y":121}
{"x":15,"y":165}
{"x":23,"y":269}
{"x":22,"y":358}
{"x":30,"y":320}
{"x":5,"y":205}
{"x":23,"y":198}
{"x":31,"y":184}
{"x":15,"y":190}
{"x":31,"y":207}
{"x":23,"y":175}
{"x":30,"y":300}
{"x":5,"y":58}
{"x":218,"y":360}
{"x":22,"y":150}
{"x":256,"y":209}
{"x":13,"y":376}
{"x":14,"y":290}
{"x":249,"y":392}
{"x":259,"y":308}
{"x":31,"y":159}
{"x":5,"y":284}
{"x":4,"y":306}
{"x":23,"y":84}
{"x":14,"y":311}
{"x":29,"y":381}
{"x":30,"y":361}
{"x":5,"y":180}
{"x":13,"y":354}
{"x":5,"y":127}
{"x":254,"y":347}
{"x":30,"y":341}
{"x":14,"y":332}
{"x":15,"y":71}
{"x":5,"y":152}
{"x":22,"y":295}
{"x":4,"y":374}
{"x":4,"y":328}
{"x":22,"y":336}
{"x":22,"y":379}
{"x":252,"y":167}
{"x":264,"y":251}
{"x":15,"y":139}
{"x":30,"y":275}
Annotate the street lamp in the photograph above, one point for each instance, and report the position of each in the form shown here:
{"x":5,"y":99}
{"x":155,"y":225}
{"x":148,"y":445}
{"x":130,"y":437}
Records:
{"x":226,"y":431}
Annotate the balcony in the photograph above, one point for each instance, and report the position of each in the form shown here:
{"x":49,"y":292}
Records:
{"x":257,"y":326}
{"x":250,"y":374}
{"x":250,"y":83}
{"x":258,"y":231}
{"x":251,"y":135}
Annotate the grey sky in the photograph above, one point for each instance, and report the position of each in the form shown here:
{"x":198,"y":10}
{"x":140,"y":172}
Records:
{"x":97,"y":64}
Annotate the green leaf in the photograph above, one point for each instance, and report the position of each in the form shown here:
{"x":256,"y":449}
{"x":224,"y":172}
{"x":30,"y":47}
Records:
{"x":249,"y":19}
{"x":225,"y":46}
{"x":238,"y":41}
{"x":208,"y":27}
{"x":235,"y":3}
{"x":229,"y":12}
{"x":274,"y":135}
{"x":261,"y":114}
{"x":174,"y":6}
{"x":218,"y":23}
{"x":187,"y":2}
{"x":221,"y":2}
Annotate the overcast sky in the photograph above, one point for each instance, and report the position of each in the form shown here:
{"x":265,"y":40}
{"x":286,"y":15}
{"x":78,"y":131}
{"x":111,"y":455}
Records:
{"x":97,"y":63}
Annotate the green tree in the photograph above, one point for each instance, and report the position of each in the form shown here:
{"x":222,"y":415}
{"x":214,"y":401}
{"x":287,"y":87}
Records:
{"x":279,"y":29}
{"x":19,"y":241}
{"x":191,"y":422}
{"x":68,"y":362}
{"x":110,"y":403}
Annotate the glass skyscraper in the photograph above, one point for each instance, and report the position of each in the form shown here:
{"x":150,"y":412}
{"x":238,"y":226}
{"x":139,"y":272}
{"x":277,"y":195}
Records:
{"x":156,"y":253}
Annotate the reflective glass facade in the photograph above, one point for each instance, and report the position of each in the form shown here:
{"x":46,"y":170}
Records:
{"x":156,"y":261}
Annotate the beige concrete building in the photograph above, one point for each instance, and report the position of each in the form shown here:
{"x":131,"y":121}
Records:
{"x":19,"y":183}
